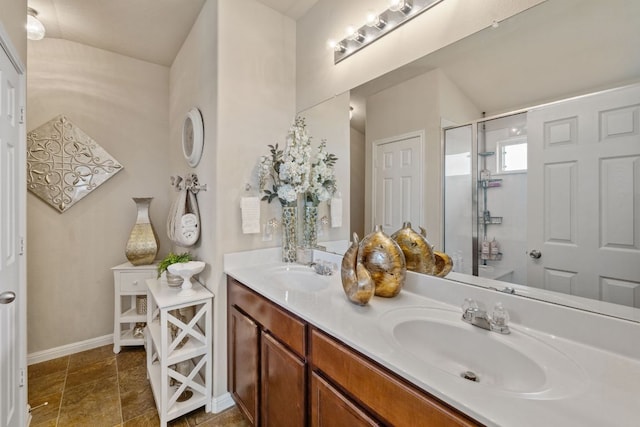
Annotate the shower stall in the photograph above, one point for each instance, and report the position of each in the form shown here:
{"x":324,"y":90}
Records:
{"x":485,"y":188}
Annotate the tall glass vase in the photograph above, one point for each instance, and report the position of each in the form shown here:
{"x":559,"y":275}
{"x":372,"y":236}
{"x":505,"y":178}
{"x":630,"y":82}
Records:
{"x":289,"y":231}
{"x":142,"y":246}
{"x":310,"y":226}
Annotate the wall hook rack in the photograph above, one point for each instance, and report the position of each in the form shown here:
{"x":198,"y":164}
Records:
{"x":189,"y":182}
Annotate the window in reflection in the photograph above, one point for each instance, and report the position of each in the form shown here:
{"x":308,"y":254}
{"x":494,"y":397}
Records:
{"x":512,"y":155}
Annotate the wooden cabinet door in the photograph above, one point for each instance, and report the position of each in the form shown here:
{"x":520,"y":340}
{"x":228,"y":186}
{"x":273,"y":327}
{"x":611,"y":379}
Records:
{"x":330,"y":408}
{"x":243,"y":353}
{"x":283,"y":386}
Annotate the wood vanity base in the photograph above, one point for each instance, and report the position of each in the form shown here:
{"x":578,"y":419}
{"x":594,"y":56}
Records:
{"x":285,"y":372}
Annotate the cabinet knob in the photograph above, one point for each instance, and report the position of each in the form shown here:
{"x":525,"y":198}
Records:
{"x":135,"y":282}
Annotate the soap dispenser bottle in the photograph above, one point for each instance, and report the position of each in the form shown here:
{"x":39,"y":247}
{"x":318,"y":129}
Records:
{"x":494,"y":249}
{"x":486,"y":249}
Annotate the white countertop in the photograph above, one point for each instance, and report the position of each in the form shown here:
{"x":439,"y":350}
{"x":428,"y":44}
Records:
{"x":604,"y":351}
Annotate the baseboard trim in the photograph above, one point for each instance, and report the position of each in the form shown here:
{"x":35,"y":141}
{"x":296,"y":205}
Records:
{"x":65,"y":350}
{"x":220,"y":403}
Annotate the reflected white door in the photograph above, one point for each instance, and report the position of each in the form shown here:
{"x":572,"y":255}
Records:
{"x":584,"y":197}
{"x":397,"y":191}
{"x":12,"y":365}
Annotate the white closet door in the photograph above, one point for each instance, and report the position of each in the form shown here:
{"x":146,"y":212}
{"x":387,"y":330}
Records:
{"x":398,"y":195}
{"x":584,"y":196}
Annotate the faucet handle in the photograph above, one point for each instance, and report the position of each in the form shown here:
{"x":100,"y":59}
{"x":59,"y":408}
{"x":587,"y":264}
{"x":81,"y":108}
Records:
{"x":500,"y":315}
{"x":500,"y":319}
{"x":469,"y":304}
{"x":469,"y":307}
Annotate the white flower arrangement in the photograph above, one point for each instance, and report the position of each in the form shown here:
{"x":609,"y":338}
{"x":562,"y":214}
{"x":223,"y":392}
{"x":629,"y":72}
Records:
{"x":287,"y":171}
{"x":322,"y":179}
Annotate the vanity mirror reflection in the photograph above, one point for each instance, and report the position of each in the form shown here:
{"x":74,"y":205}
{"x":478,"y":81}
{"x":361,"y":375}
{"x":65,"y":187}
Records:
{"x":554,"y":51}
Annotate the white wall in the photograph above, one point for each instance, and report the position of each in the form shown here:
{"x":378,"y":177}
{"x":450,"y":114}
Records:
{"x":330,"y":120}
{"x":122,"y":103}
{"x":357,"y":162}
{"x":14,"y":20}
{"x":319,"y":79}
{"x":238,"y":67}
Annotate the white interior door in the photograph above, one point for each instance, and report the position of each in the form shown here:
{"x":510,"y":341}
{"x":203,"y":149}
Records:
{"x":12,"y":335}
{"x":584,"y":196}
{"x":397,"y":190}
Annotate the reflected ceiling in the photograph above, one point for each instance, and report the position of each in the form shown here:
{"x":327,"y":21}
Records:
{"x":555,"y":50}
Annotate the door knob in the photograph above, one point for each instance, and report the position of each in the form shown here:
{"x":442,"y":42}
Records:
{"x":7,"y":297}
{"x":535,"y":254}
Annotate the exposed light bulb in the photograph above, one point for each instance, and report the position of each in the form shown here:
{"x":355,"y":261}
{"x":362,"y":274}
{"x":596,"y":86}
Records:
{"x":35,"y":29}
{"x":374,"y":20}
{"x":350,"y":112}
{"x":355,"y":35}
{"x":403,"y":6}
{"x":335,"y":46}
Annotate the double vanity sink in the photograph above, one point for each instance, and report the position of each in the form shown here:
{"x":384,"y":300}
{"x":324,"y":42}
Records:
{"x":526,"y":377}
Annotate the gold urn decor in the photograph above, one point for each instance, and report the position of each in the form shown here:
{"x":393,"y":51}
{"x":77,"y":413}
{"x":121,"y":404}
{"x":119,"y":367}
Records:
{"x":356,"y":280}
{"x":384,"y":260}
{"x":443,"y":262}
{"x":142,"y":246}
{"x":417,"y":251}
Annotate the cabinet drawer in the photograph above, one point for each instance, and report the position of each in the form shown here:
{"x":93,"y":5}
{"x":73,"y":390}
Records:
{"x":134,"y":281}
{"x":394,"y":400}
{"x":285,"y":326}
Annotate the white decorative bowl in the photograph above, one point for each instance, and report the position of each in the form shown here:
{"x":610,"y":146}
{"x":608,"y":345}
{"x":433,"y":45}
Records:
{"x":186,"y":270}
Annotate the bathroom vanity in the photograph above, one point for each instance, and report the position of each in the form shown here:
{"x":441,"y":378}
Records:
{"x":280,"y":365}
{"x":299,"y":353}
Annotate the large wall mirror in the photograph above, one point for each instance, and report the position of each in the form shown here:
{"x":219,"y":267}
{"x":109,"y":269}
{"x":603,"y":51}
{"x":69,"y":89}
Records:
{"x":557,"y":50}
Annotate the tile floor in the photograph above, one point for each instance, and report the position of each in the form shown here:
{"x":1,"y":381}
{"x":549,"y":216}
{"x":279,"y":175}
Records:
{"x":99,"y":388}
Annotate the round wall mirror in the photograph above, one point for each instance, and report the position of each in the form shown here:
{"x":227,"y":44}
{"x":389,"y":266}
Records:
{"x":192,"y":137}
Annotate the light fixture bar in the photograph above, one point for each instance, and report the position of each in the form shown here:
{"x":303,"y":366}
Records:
{"x":386,"y":22}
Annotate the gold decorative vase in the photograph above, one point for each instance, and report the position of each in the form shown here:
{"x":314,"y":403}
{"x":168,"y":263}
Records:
{"x":142,"y":246}
{"x":444,"y":264}
{"x":417,"y":251}
{"x":356,"y":280}
{"x":384,"y":260}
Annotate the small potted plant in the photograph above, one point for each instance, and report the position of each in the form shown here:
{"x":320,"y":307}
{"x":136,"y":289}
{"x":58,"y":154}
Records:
{"x":173,"y":280}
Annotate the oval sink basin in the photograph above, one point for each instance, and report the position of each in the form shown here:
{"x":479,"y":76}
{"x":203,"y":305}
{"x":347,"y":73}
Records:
{"x":296,"y":277}
{"x":517,"y":363}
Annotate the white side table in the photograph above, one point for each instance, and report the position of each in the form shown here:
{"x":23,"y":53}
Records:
{"x":179,"y":371}
{"x":129,"y":282}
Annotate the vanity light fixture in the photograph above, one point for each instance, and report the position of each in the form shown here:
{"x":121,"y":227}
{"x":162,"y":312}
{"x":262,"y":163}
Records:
{"x":35,"y":29}
{"x":379,"y":24}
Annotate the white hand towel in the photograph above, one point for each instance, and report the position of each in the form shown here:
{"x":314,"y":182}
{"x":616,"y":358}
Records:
{"x":336,"y":212}
{"x":250,"y":215}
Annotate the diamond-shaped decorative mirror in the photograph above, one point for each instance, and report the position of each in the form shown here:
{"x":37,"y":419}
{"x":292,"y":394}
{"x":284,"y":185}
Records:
{"x":64,"y":164}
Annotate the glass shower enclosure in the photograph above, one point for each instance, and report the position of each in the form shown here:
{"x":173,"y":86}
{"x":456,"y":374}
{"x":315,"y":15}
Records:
{"x":485,"y":197}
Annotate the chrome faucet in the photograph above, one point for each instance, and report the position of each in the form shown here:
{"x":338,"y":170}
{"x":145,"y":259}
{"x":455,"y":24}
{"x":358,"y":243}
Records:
{"x":497,"y":322}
